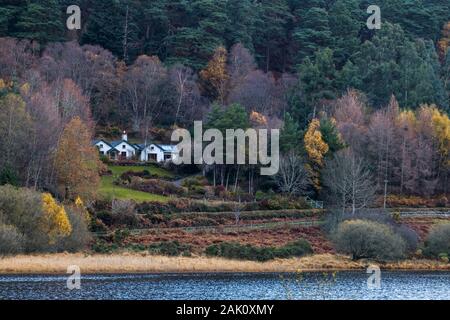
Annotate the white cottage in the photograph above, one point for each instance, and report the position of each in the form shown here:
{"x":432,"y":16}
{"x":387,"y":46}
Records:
{"x":102,"y":146}
{"x":117,"y":150}
{"x":122,"y":150}
{"x":159,"y":152}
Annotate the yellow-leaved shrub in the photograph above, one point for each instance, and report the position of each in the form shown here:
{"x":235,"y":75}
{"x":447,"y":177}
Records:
{"x":54,"y":220}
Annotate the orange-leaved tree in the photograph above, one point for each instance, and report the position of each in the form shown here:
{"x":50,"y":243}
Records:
{"x":441,"y":126}
{"x":215,"y":76}
{"x":316,"y":148}
{"x":77,"y":163}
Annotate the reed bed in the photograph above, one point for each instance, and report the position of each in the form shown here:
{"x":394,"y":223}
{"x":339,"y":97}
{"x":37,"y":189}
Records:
{"x":145,"y":263}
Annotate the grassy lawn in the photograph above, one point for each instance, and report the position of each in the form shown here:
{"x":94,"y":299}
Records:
{"x":109,"y":190}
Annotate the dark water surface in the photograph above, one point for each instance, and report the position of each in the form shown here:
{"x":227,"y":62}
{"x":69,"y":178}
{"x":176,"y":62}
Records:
{"x":345,"y":285}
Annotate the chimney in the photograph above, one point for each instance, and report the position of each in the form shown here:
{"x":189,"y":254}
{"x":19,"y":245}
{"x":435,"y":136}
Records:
{"x":124,"y":136}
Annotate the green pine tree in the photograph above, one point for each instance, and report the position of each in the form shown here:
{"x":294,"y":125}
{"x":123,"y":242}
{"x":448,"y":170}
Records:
{"x":40,"y":20}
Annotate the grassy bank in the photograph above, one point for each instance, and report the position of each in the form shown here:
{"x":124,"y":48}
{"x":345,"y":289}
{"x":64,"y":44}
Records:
{"x":109,"y":190}
{"x":143,"y":263}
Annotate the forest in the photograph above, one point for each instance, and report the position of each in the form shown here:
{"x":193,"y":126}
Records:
{"x":363,"y":116}
{"x":311,"y":68}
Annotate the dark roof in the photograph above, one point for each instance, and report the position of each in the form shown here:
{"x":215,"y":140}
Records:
{"x":138,"y":146}
{"x":114,"y":144}
{"x":163,"y":147}
{"x":94,"y":142}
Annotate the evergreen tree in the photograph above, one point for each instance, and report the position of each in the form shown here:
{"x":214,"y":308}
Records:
{"x":346,"y":22}
{"x":446,"y":78}
{"x":40,"y":20}
{"x":9,"y":12}
{"x":290,"y":135}
{"x":194,"y":44}
{"x":271,"y":39}
{"x":104,"y":26}
{"x":241,"y":23}
{"x":114,"y":25}
{"x":156,"y":23}
{"x":312,"y":33}
{"x":317,"y":84}
{"x":330,"y":135}
{"x":391,"y":64}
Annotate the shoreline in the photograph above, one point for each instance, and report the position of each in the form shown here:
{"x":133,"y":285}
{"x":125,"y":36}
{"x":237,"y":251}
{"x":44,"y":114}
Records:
{"x":131,"y":263}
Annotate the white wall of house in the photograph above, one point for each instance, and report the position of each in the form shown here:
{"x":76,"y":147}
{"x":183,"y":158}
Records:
{"x":155,"y":153}
{"x":124,"y":149}
{"x":152,"y":153}
{"x":103,"y":147}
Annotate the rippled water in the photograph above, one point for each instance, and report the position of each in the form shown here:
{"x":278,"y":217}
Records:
{"x":346,"y":285}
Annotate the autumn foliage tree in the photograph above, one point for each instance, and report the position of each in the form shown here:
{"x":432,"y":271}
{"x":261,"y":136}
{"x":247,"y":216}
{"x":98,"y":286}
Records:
{"x":215,"y":75}
{"x":316,"y":149}
{"x":54,"y":221}
{"x":77,"y":162}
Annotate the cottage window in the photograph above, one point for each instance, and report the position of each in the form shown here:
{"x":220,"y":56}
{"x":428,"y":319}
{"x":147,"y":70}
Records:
{"x":101,"y":146}
{"x":124,"y":146}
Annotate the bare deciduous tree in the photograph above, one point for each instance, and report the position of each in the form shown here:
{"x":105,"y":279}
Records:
{"x":292,"y":177}
{"x":188,"y":91}
{"x":348,"y":181}
{"x":146,"y":92}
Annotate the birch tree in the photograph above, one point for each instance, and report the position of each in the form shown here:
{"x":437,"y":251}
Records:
{"x":292,"y":177}
{"x":348,"y":181}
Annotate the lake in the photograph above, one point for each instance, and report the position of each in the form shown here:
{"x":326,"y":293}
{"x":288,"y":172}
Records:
{"x":345,"y":285}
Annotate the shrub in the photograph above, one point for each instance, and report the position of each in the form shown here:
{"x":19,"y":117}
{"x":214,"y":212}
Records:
{"x":219,"y":190}
{"x":23,"y":209}
{"x":101,"y":246}
{"x":294,"y":249}
{"x":123,"y":213}
{"x":197,"y":181}
{"x":380,"y":216}
{"x":144,"y":174}
{"x":156,"y":186}
{"x":119,"y":236}
{"x":105,"y":159}
{"x":178,"y":223}
{"x":259,"y":195}
{"x":367,"y":239}
{"x":204,"y":221}
{"x":232,"y":250}
{"x":170,"y":248}
{"x":438,"y":241}
{"x":105,"y":217}
{"x":11,"y":241}
{"x":44,"y":224}
{"x":8,"y":176}
{"x":410,"y":237}
{"x":442,"y":202}
{"x":278,"y":202}
{"x":416,"y":202}
{"x":197,"y":190}
{"x":80,"y":236}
